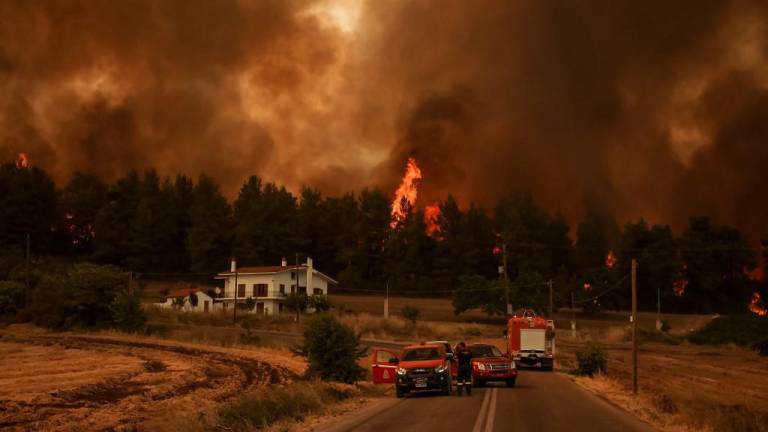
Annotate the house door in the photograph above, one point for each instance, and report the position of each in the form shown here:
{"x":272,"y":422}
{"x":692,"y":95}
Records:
{"x":206,"y":305}
{"x":260,"y":308}
{"x":383,"y":366}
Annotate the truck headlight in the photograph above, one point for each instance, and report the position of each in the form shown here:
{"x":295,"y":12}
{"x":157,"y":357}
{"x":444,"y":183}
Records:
{"x":441,"y":369}
{"x":401,"y":371}
{"x":480,"y":366}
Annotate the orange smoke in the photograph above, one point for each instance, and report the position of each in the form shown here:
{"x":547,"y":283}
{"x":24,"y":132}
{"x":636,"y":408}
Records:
{"x":22,"y":161}
{"x":610,"y":260}
{"x":407,"y":191}
{"x":431,"y":213}
{"x":754,"y":305}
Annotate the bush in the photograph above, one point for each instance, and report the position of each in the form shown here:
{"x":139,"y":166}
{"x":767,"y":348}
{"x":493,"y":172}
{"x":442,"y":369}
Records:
{"x":320,"y":303}
{"x":744,"y":330}
{"x":127,"y":314}
{"x":81,"y":297}
{"x":410,"y":313}
{"x":260,"y":410}
{"x":332,"y":350}
{"x":11,"y":297}
{"x":296,"y":303}
{"x":591,"y":359}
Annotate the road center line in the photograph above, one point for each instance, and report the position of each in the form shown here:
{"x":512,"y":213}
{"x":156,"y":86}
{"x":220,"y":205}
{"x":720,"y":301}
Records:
{"x":481,"y":414}
{"x":491,"y":411}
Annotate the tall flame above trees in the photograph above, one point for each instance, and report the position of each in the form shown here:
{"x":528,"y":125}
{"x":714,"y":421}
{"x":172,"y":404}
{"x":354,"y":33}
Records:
{"x":22,"y":161}
{"x":610,"y":259}
{"x":406,"y":193}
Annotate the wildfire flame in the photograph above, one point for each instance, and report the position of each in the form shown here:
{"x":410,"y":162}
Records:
{"x":587,"y":286}
{"x":407,"y":191}
{"x":754,"y":305}
{"x":679,"y":286}
{"x":496,"y":250}
{"x":431,"y":213}
{"x":610,"y":259}
{"x":22,"y":161}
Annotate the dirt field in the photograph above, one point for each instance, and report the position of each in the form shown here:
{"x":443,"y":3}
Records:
{"x":54,"y":382}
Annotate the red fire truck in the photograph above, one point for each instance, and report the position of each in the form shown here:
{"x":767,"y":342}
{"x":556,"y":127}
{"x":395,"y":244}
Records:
{"x":531,"y":340}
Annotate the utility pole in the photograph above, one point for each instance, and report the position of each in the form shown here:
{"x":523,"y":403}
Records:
{"x":634,"y":326}
{"x":386,"y":303}
{"x":658,"y":307}
{"x":573,"y":317}
{"x":26,"y":275}
{"x":234,"y":314}
{"x":506,"y":279}
{"x":551,"y":293}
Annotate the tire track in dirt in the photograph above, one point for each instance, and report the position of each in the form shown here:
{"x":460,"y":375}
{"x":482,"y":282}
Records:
{"x":181,"y":376}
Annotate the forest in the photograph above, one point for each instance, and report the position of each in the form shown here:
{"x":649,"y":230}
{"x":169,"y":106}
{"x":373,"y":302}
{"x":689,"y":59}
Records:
{"x":186,"y":229}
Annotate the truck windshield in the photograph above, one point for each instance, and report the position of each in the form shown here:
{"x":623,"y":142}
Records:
{"x":484,"y":351}
{"x":417,"y":354}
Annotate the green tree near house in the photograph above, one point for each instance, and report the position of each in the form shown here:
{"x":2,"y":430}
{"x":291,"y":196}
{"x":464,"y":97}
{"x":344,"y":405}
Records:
{"x":332,"y":350}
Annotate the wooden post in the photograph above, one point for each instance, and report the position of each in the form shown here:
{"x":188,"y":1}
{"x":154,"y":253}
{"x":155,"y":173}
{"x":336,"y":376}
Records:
{"x":26,"y":275}
{"x":634,"y":326}
{"x":386,"y":303}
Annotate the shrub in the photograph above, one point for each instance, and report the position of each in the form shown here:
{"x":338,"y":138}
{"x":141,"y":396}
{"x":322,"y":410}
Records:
{"x":332,"y":350}
{"x":591,"y":359}
{"x":320,"y":303}
{"x":296,"y":303}
{"x":744,"y":330}
{"x":126,"y":312}
{"x":410,"y":313}
{"x":83,"y":296}
{"x":260,"y":410}
{"x":11,"y":297}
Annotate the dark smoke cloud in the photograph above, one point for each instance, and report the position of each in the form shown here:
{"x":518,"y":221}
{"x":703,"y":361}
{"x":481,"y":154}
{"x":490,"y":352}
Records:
{"x":652,"y":108}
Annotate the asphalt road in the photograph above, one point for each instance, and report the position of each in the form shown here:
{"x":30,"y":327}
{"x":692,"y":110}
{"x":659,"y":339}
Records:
{"x":541,"y":401}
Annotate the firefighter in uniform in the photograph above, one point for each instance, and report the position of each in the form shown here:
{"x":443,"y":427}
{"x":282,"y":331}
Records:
{"x":464,"y":378}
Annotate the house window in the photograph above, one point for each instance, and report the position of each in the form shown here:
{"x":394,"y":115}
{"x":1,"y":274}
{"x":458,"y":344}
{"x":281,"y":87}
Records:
{"x":317,"y":291}
{"x":241,"y":290}
{"x":282,"y":289}
{"x":293,"y":275}
{"x":293,"y":289}
{"x":261,"y":290}
{"x":302,"y":290}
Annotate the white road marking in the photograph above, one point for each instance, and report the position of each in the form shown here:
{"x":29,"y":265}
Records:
{"x":483,"y":409}
{"x":491,"y":411}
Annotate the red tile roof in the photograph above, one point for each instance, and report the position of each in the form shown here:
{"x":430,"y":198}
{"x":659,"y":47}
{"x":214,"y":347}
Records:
{"x":267,"y":269}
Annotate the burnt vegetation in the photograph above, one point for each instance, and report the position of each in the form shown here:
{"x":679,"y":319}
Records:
{"x":179,"y":228}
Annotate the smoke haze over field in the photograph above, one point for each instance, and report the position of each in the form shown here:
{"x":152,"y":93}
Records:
{"x":655,"y":109}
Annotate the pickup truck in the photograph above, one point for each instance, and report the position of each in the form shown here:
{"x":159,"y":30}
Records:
{"x":489,"y":364}
{"x":424,"y":367}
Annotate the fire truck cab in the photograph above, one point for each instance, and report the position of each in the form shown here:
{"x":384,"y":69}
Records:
{"x":531,"y":340}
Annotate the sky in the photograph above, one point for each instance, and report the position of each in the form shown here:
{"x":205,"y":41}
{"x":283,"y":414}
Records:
{"x":649,"y":109}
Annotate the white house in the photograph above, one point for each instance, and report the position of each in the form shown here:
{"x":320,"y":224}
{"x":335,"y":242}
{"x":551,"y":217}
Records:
{"x":269,"y":285}
{"x":190,"y":300}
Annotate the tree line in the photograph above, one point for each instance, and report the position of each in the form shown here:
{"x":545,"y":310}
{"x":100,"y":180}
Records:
{"x":184,"y":228}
